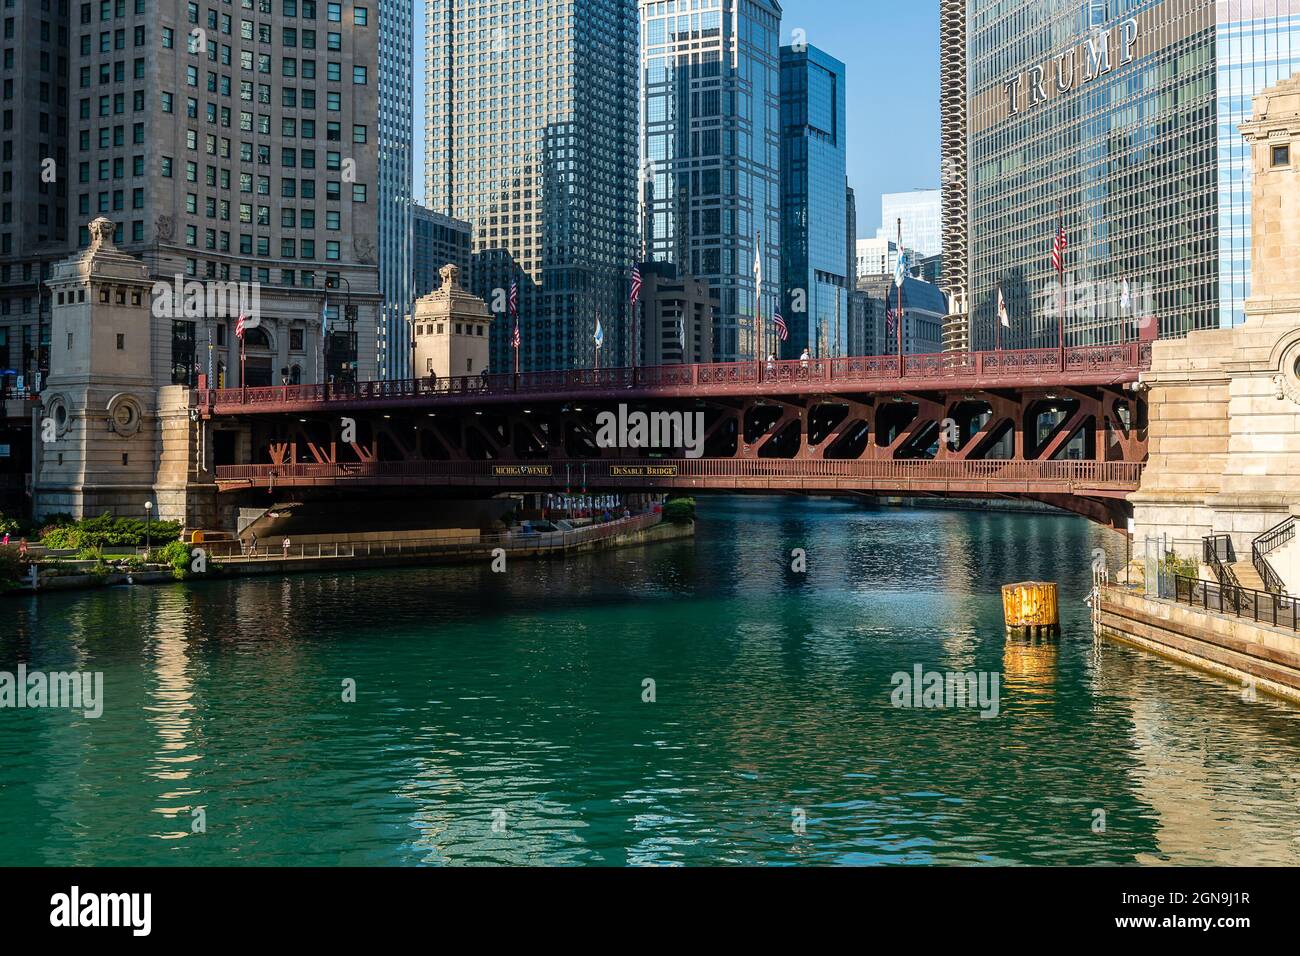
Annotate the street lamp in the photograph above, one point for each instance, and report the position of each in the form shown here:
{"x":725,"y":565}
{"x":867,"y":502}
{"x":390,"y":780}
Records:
{"x":148,"y":513}
{"x":332,"y":282}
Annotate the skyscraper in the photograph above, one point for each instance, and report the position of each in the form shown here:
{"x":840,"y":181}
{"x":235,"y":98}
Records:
{"x":814,"y":256}
{"x":921,"y":213}
{"x":33,"y":177}
{"x":236,"y":145}
{"x":531,"y":133}
{"x":396,"y":240}
{"x":710,"y":152}
{"x":1118,"y":120}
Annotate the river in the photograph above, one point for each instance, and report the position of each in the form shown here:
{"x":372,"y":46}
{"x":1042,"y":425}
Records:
{"x":506,"y":717}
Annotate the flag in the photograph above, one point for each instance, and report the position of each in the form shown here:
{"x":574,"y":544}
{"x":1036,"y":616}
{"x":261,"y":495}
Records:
{"x":681,"y":334}
{"x":782,"y":332}
{"x":600,"y":334}
{"x":514,"y":302}
{"x":636,"y":284}
{"x":1124,"y":300}
{"x":1059,"y":245}
{"x":889,"y":319}
{"x":900,"y":268}
{"x":1003,"y":317}
{"x":514,"y":339}
{"x":246,"y":322}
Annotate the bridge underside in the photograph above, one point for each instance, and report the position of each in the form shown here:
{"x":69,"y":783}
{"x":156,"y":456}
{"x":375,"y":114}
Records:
{"x":1077,"y":448}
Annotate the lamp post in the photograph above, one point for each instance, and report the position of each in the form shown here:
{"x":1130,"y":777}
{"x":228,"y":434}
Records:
{"x":148,"y":513}
{"x":332,"y":283}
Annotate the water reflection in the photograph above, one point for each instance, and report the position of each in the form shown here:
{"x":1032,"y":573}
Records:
{"x":502,"y":719}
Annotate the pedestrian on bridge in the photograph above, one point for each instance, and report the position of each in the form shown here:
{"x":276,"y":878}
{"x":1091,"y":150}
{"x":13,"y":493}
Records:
{"x":285,"y":546}
{"x":803,"y":359}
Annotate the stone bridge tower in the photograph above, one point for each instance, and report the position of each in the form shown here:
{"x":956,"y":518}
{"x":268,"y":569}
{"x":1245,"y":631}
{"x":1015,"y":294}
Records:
{"x":1225,"y":403}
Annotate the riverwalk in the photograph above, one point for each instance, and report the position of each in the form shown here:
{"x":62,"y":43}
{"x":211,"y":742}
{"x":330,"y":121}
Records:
{"x":224,"y":559}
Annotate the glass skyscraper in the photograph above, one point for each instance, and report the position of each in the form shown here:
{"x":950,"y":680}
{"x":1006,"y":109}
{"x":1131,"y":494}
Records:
{"x":921,"y":212}
{"x":1120,"y":117}
{"x":710,"y":152}
{"x":814,"y":248}
{"x":531,"y":137}
{"x":395,"y":216}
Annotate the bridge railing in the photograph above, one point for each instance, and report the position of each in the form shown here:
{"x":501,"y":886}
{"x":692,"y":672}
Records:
{"x":940,"y":367}
{"x":1073,"y":473}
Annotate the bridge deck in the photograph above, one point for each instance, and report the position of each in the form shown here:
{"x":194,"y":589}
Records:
{"x":1097,"y":479}
{"x":1022,"y":369}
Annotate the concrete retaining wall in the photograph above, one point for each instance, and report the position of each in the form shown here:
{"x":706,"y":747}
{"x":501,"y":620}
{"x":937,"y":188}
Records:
{"x":1238,"y":650}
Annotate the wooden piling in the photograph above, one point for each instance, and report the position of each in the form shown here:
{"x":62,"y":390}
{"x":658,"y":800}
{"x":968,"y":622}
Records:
{"x":1030,"y":610}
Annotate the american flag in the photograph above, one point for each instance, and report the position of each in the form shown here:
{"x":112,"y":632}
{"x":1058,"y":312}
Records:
{"x":514,"y":339}
{"x":782,"y":332}
{"x":1059,"y":244}
{"x":514,"y":303}
{"x":239,"y":326}
{"x":889,"y":319}
{"x":636,"y":284}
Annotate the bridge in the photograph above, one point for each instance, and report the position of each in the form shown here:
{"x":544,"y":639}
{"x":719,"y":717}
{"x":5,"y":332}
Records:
{"x":1062,"y":426}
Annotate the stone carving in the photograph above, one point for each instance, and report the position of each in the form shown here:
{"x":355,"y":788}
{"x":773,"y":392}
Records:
{"x":165,"y":227}
{"x":101,"y":232}
{"x":364,"y":248}
{"x":450,"y":276}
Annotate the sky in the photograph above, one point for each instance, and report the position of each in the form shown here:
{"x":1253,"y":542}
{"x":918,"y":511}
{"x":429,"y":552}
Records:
{"x":891,"y":52}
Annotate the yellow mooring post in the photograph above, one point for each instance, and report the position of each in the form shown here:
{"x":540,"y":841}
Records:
{"x":1030,"y":610}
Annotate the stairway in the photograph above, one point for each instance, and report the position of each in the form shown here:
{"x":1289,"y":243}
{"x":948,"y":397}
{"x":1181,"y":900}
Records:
{"x":1247,"y":576}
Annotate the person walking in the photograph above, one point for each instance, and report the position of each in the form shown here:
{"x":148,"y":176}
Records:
{"x":803,"y":359}
{"x":252,"y":545}
{"x":284,"y":545}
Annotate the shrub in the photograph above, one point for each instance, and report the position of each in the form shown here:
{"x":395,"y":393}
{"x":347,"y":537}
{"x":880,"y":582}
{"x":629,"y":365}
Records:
{"x":14,"y":527}
{"x":177,"y":555}
{"x":107,"y":530}
{"x":1182,"y":567}
{"x":12,"y":568}
{"x":680,"y":510}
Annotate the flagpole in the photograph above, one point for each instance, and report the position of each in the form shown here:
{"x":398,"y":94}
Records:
{"x":1060,"y":325}
{"x":758,"y":295}
{"x":898,"y":319}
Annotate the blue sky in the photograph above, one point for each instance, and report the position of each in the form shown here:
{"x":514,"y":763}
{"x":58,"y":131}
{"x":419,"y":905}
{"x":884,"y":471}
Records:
{"x":891,"y":51}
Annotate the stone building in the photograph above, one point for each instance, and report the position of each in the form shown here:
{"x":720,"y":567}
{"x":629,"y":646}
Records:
{"x":112,"y":432}
{"x":1224,"y":405}
{"x":452,"y":329}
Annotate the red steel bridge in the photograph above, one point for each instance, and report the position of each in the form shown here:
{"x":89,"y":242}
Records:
{"x":1062,"y":426}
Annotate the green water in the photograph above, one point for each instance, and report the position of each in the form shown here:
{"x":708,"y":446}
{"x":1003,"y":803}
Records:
{"x":500,"y":717}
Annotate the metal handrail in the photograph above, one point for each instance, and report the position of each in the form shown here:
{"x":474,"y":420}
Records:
{"x":942,"y":367}
{"x":1086,"y":474}
{"x":1266,"y":543}
{"x":1279,"y":610}
{"x":1217,"y":551}
{"x":272,"y":549}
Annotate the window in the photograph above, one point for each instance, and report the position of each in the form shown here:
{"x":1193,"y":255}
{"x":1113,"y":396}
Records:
{"x":360,"y":16}
{"x":359,"y":75}
{"x":1282,"y":155}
